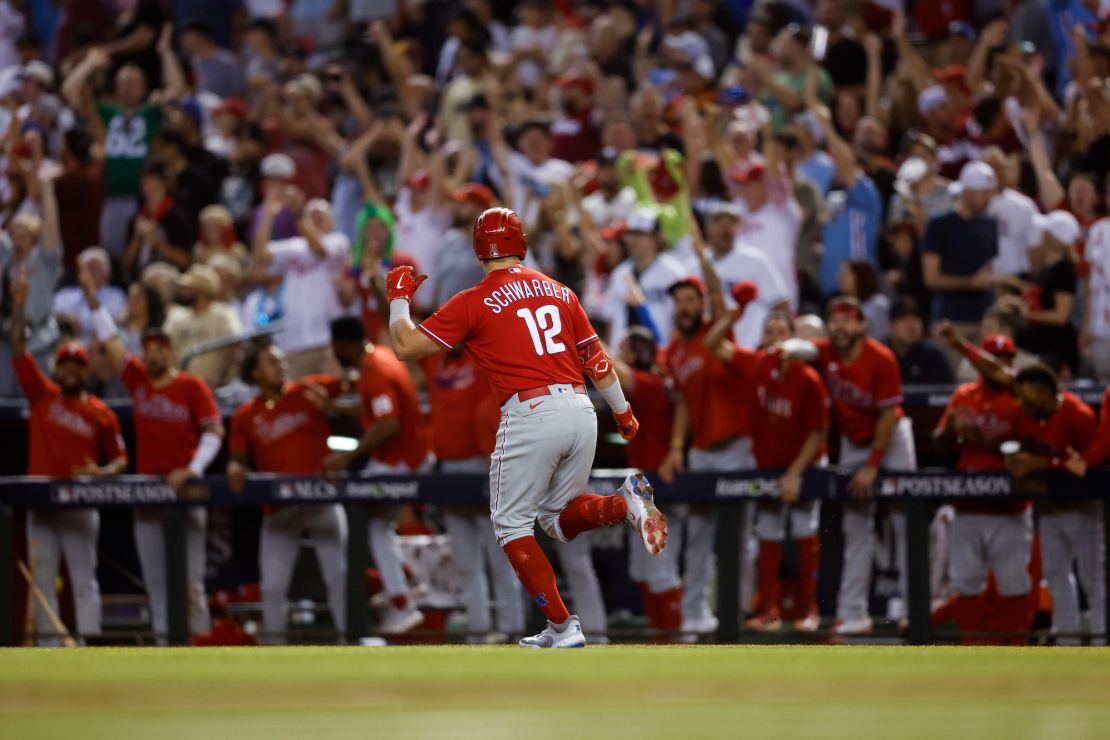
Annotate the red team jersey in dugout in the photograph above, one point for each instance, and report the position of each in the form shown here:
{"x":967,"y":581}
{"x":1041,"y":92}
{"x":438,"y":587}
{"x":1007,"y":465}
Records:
{"x":1099,"y":451}
{"x":649,"y":396}
{"x":168,"y":420}
{"x":387,"y":392}
{"x":790,"y":405}
{"x":65,"y":433}
{"x":521,"y":327}
{"x":1073,"y":425}
{"x":464,"y":414}
{"x":715,"y":397}
{"x":288,"y":436}
{"x":861,"y":389}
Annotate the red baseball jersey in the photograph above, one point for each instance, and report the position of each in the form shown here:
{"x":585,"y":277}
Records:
{"x":522,"y":328}
{"x":168,"y":420}
{"x":1072,"y":425}
{"x":288,"y":435}
{"x":387,"y":392}
{"x":996,"y":416}
{"x":1099,"y":450}
{"x":65,"y":433}
{"x":792,"y":404}
{"x":993,"y":414}
{"x":861,"y":389}
{"x":464,"y":414}
{"x":716,"y":399}
{"x":648,"y":394}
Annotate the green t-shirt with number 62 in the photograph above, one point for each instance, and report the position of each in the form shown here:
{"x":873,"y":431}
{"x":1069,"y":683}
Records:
{"x":126,"y":144}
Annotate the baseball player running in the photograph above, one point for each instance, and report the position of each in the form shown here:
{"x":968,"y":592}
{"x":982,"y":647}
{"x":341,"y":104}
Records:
{"x":988,"y":535}
{"x":71,"y":433}
{"x":865,"y":387}
{"x":178,"y":433}
{"x":530,"y":336}
{"x":285,"y":430}
{"x":792,"y":414}
{"x":1054,"y":424}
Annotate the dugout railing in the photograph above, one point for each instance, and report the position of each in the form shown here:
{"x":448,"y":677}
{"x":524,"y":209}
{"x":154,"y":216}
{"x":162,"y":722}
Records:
{"x":727,"y":492}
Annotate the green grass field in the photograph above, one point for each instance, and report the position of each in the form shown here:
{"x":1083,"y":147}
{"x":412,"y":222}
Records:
{"x":818,"y":693}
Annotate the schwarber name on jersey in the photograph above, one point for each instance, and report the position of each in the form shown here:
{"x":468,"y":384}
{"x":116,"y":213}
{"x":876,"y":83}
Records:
{"x":521,"y":327}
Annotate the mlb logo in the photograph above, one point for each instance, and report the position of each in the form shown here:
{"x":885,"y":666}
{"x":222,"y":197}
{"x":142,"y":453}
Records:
{"x":64,"y":494}
{"x":285,"y":490}
{"x":890,"y":487}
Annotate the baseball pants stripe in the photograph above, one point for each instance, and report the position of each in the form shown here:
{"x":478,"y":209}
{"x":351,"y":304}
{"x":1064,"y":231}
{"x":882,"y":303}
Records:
{"x":150,"y":545}
{"x":72,"y":534}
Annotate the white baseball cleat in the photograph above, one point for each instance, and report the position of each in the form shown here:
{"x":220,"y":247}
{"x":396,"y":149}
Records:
{"x":648,"y":520}
{"x":398,"y":621}
{"x":570,"y":636}
{"x":854,"y":627}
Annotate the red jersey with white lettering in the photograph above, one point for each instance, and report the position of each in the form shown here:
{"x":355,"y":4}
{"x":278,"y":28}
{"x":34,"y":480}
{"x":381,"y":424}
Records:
{"x":861,"y":389}
{"x":995,"y":416}
{"x":464,"y":414}
{"x":522,"y":328}
{"x":65,"y":433}
{"x":1098,"y":452}
{"x":1072,"y":425}
{"x":289,"y":434}
{"x":648,"y":394}
{"x":714,"y":396}
{"x":168,"y":420}
{"x":792,"y":404}
{"x":387,"y":392}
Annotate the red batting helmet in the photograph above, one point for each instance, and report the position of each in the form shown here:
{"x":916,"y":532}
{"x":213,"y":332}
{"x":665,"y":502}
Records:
{"x":499,"y":233}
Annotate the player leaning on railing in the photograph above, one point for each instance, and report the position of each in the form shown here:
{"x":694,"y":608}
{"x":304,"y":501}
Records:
{"x":531,"y":337}
{"x":178,"y":433}
{"x":1057,"y":431}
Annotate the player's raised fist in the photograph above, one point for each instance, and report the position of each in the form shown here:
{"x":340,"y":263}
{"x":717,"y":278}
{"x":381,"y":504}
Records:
{"x":745,"y":292}
{"x":402,"y":282}
{"x":627,"y":424}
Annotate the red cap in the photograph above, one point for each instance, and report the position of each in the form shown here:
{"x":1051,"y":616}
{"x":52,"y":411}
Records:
{"x":419,"y":180}
{"x":692,"y":281}
{"x":235,"y":106}
{"x":474,"y":193}
{"x":954,"y":74}
{"x":614,"y":230}
{"x":499,"y":233}
{"x":1000,"y":344}
{"x":751,"y":173}
{"x":71,"y":351}
{"x":576,"y":79}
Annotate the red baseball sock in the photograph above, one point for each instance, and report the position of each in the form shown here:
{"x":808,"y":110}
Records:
{"x":770,"y":557}
{"x":400,"y":601}
{"x":969,"y":616}
{"x":1009,"y":619}
{"x":669,"y":607}
{"x":537,"y":577}
{"x":590,"y":511}
{"x":649,"y":604}
{"x":809,"y":559}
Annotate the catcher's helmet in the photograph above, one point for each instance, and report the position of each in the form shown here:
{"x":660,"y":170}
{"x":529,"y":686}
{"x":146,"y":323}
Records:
{"x":499,"y":233}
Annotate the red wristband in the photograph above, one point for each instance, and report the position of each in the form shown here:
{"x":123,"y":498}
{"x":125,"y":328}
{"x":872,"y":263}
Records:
{"x":876,"y":458}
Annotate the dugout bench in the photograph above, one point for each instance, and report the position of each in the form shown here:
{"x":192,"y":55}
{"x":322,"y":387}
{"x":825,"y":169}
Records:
{"x":727,"y":492}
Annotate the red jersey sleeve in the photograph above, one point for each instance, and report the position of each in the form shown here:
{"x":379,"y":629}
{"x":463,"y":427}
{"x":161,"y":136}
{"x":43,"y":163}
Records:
{"x":580,"y":324}
{"x":239,"y":434}
{"x":112,"y":446}
{"x":134,"y":373}
{"x":32,"y":379}
{"x":203,"y":405}
{"x":743,"y":362}
{"x":1085,"y":425}
{"x":332,"y":385}
{"x":955,"y":401}
{"x":380,"y":399}
{"x":888,"y":381}
{"x":450,"y":325}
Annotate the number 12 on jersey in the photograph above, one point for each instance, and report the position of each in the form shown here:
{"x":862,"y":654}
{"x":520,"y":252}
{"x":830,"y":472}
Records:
{"x":546,"y":321}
